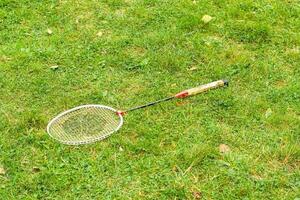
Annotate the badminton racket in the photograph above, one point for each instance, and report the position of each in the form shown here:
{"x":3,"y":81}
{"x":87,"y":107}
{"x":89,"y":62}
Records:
{"x":89,"y":123}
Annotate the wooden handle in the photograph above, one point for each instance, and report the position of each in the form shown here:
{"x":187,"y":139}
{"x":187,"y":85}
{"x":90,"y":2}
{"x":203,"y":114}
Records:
{"x":202,"y":88}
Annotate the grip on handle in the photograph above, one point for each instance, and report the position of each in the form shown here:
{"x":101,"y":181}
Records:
{"x":202,"y":88}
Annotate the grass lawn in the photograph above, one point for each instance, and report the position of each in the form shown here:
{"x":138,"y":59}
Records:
{"x":240,"y":142}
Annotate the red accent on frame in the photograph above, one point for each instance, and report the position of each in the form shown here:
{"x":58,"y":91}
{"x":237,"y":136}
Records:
{"x":182,"y":94}
{"x":120,"y":113}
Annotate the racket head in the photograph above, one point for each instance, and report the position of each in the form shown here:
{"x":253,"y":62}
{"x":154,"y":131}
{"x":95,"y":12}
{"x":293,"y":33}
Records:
{"x":85,"y":124}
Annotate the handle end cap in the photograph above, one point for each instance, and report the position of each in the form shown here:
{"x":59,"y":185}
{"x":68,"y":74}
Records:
{"x":226,"y":82}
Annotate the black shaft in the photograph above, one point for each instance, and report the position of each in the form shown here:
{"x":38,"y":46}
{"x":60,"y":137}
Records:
{"x":150,"y":104}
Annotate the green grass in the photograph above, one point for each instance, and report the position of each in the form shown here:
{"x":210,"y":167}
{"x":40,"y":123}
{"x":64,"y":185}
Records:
{"x":125,"y":53}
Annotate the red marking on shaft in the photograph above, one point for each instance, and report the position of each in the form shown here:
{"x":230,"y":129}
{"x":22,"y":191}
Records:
{"x":120,"y":113}
{"x":182,"y":94}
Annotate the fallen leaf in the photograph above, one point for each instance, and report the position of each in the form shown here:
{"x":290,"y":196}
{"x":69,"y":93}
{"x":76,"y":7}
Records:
{"x":174,"y":168}
{"x":104,"y":93}
{"x":193,"y":68}
{"x":36,"y":169}
{"x":295,"y":50}
{"x":257,"y":177}
{"x":121,"y":149}
{"x":178,"y":103}
{"x":173,"y":85}
{"x":223,"y":148}
{"x":206,"y":18}
{"x":100,"y":33}
{"x":197,"y":195}
{"x":49,"y":31}
{"x":5,"y":58}
{"x":268,"y":113}
{"x":2,"y":171}
{"x":54,"y":67}
{"x":120,"y":13}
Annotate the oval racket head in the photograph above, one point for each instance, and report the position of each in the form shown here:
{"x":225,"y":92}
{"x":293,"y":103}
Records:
{"x":85,"y":124}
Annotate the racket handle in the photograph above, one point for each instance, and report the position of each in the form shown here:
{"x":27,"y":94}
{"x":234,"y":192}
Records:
{"x":202,"y":88}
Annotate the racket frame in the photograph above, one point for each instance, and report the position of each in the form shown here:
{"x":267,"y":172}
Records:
{"x":80,"y":107}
